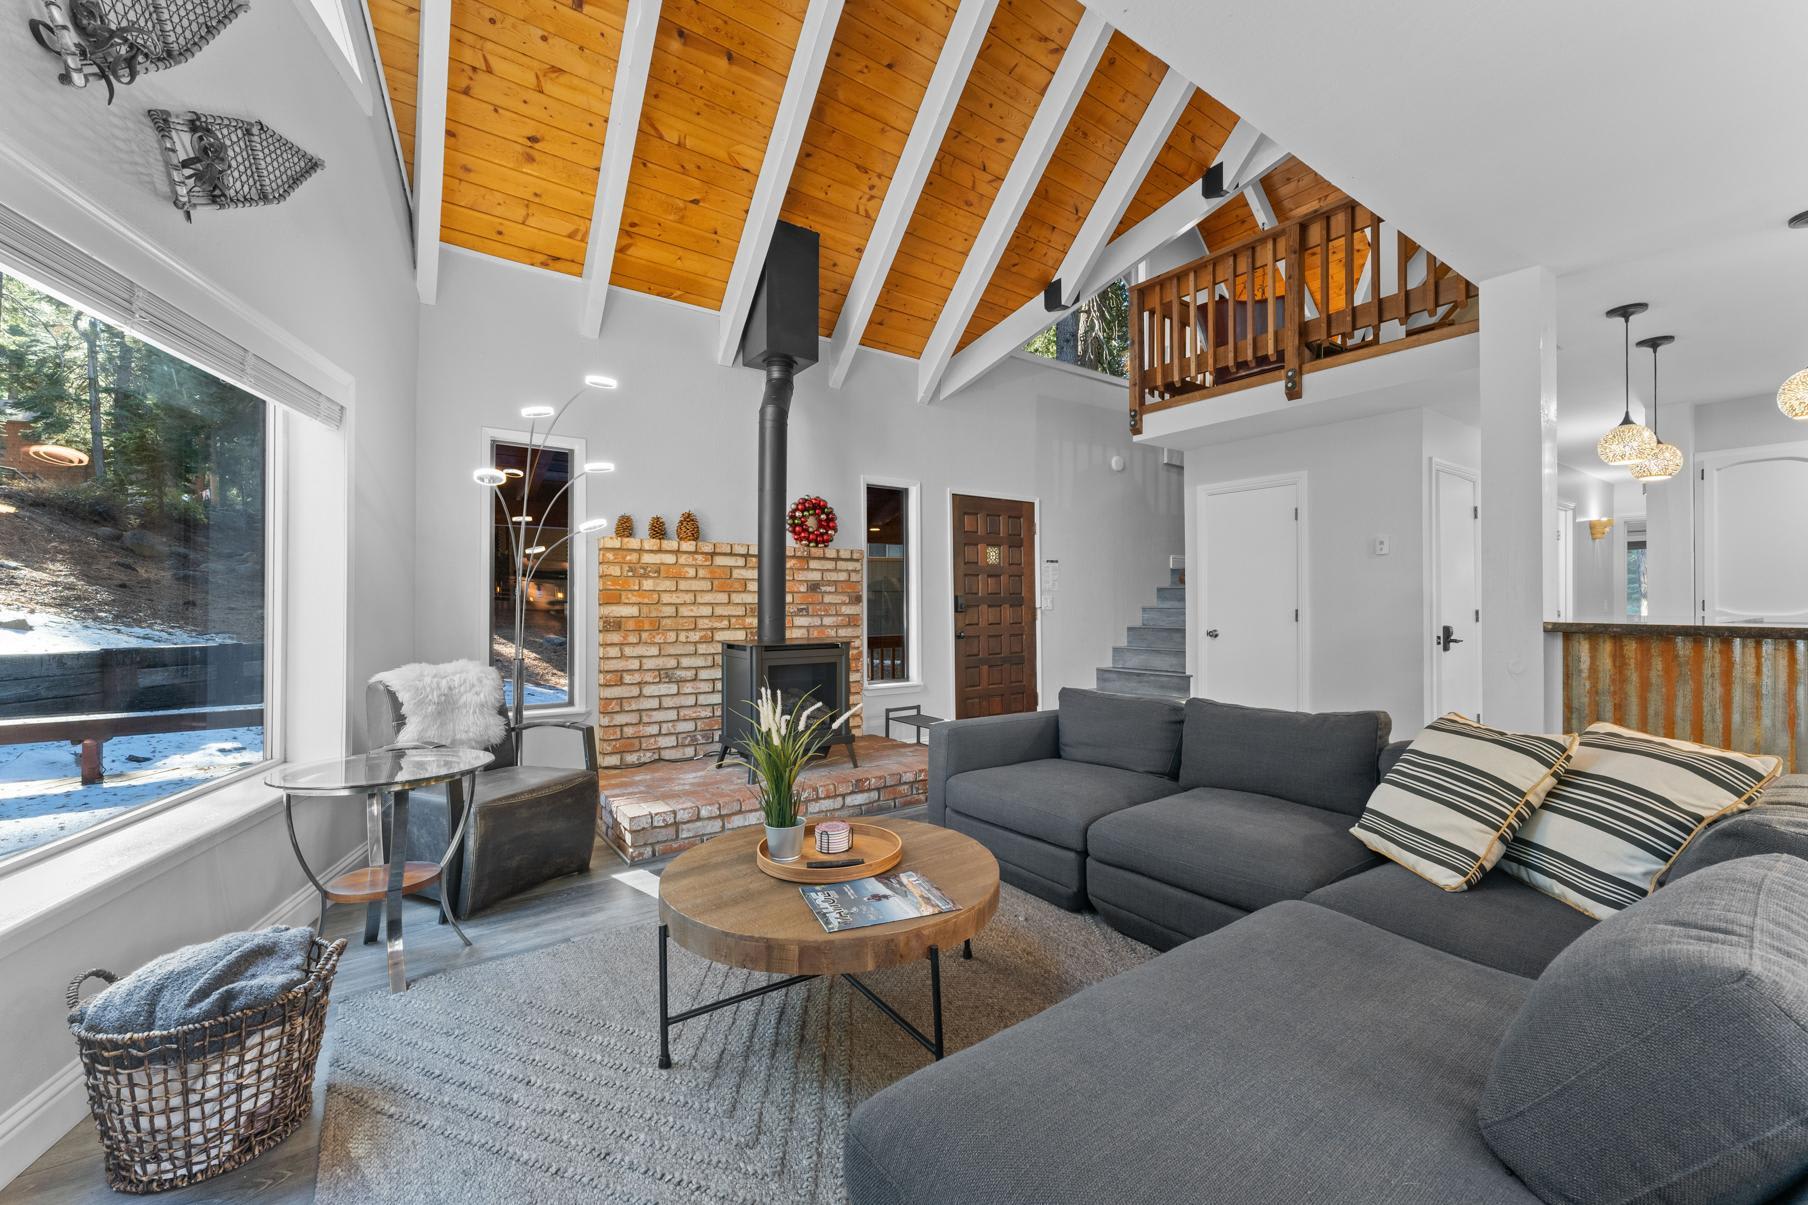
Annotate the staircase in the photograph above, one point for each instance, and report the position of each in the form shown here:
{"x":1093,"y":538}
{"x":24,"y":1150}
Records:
{"x":1152,"y":661}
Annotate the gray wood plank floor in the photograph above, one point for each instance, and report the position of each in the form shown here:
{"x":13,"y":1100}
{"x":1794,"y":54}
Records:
{"x":70,"y":1172}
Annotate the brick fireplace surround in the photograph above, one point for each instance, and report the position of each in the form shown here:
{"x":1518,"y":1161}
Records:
{"x":664,"y":608}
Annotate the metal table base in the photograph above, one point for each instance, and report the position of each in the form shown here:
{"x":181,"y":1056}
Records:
{"x":667,"y":1018}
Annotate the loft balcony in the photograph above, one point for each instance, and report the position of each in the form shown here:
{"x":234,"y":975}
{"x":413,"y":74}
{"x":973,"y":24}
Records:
{"x":1298,"y":298}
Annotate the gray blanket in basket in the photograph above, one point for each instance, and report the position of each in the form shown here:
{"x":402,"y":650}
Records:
{"x":201,"y":983}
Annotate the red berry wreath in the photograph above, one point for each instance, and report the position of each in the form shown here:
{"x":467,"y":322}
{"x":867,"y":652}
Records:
{"x":812,"y":522}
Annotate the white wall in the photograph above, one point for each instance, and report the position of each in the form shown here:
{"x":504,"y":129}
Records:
{"x":322,"y":286}
{"x":1594,"y":563}
{"x":1364,"y":613}
{"x":1744,"y":423}
{"x":682,"y":431}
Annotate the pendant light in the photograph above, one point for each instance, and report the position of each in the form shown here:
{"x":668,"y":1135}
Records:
{"x":1792,"y":398}
{"x":1666,"y":461}
{"x":1630,"y":442}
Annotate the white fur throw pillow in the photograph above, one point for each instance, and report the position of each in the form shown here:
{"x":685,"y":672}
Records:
{"x":455,"y":703}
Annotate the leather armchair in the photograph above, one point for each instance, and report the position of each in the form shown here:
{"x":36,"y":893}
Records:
{"x":531,"y":823}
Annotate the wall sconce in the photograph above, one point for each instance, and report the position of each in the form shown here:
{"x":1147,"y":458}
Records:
{"x":1598,"y":528}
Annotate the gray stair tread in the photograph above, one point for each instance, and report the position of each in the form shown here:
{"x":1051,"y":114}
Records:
{"x":1140,"y":681}
{"x":1131,"y":657}
{"x":1157,"y":638}
{"x":1164,"y":617}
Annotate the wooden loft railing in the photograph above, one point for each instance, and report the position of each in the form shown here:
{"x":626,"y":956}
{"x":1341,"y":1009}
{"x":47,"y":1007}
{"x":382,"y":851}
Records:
{"x":1234,"y":319}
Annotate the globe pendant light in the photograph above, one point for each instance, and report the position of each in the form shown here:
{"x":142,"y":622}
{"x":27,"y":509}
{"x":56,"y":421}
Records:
{"x":1630,"y":442}
{"x":1792,"y":398}
{"x":1666,"y":461}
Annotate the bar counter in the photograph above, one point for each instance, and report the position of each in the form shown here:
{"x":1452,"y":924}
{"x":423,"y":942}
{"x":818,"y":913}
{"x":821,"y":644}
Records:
{"x":1735,"y":686}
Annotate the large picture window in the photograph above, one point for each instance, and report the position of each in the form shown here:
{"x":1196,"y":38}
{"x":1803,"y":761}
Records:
{"x":133,"y":544}
{"x":536,"y":501}
{"x":889,"y":582}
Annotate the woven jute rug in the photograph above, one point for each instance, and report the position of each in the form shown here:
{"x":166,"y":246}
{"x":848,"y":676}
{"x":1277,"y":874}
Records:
{"x":532,"y":1078}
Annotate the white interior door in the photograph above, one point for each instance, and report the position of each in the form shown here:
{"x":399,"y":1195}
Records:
{"x":1566,"y":560}
{"x":1250,"y":600}
{"x":1754,"y":528}
{"x":1456,"y":678}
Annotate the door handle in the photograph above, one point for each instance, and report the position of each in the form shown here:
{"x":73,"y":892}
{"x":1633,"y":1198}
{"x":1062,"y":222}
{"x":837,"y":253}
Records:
{"x":1211,"y":633}
{"x":961,"y":635}
{"x":1448,"y":637}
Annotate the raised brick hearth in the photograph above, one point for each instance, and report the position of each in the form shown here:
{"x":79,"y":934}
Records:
{"x":666,"y":606}
{"x":666,"y":807}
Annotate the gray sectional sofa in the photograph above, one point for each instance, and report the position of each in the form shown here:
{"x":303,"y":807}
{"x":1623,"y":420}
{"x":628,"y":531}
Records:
{"x":1171,"y":820}
{"x":1330,"y":1027}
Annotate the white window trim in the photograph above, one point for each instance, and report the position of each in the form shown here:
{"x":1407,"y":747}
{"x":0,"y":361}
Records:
{"x":276,"y":420}
{"x":913,"y":584}
{"x":343,"y":57}
{"x":580,"y":588}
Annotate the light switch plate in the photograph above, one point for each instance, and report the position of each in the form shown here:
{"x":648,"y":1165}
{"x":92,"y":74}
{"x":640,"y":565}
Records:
{"x":1382,"y":546}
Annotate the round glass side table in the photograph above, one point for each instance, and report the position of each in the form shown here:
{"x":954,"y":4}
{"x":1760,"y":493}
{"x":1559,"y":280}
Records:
{"x":384,"y":777}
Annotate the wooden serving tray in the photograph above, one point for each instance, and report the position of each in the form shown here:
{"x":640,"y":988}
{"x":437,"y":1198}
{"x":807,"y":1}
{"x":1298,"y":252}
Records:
{"x":881,"y":848}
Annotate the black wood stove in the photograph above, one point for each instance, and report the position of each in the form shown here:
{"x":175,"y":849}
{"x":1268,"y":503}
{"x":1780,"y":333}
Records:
{"x":781,"y":339}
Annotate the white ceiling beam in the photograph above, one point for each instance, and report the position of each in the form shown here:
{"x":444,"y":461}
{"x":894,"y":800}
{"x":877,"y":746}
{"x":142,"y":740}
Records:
{"x":1020,"y":181}
{"x":623,"y":127}
{"x":1260,"y":205}
{"x":959,"y":49}
{"x":1263,"y":210}
{"x":801,"y":84}
{"x":431,"y":74}
{"x":1127,"y":174}
{"x":1247,"y":155}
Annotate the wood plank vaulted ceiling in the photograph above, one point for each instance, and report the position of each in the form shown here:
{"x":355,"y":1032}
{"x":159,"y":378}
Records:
{"x":528,"y":98}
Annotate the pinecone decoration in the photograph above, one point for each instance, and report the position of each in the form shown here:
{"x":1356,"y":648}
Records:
{"x":656,"y":528}
{"x":624,"y":527}
{"x":689,"y":528}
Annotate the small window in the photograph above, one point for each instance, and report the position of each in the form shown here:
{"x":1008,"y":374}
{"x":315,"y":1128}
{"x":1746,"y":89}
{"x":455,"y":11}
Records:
{"x":530,"y":522}
{"x":1096,"y":335}
{"x":332,"y":18}
{"x":132,"y":585}
{"x":1638,"y":590}
{"x":889,"y":641}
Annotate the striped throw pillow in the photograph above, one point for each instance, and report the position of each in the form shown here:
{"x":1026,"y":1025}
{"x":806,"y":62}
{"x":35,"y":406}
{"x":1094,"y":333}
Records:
{"x":1626,"y":807}
{"x":1453,"y":800}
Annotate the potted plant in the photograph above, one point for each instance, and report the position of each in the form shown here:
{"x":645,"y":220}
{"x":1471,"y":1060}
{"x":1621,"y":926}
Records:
{"x":775,"y":752}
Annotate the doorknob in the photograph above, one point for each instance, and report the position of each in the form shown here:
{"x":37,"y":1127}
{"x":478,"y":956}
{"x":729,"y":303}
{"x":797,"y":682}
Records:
{"x":1212,"y":633}
{"x":1448,"y":637}
{"x":961,"y":635}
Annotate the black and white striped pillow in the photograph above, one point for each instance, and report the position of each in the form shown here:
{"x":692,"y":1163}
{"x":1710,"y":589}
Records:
{"x":1625,"y":808}
{"x":1457,"y":795}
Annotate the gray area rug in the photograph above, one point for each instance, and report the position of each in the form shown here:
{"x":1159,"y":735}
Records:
{"x":533,"y":1078}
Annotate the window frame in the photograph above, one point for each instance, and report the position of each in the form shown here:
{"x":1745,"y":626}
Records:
{"x":913,"y":583}
{"x":344,"y":56}
{"x":276,"y":420}
{"x":580,"y":586}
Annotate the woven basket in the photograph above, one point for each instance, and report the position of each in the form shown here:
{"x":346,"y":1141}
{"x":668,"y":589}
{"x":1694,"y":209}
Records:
{"x":181,"y":1105}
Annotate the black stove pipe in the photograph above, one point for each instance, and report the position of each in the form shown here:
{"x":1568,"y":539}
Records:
{"x":775,"y":417}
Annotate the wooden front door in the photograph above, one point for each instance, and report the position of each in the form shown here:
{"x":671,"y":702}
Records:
{"x":994,"y":606}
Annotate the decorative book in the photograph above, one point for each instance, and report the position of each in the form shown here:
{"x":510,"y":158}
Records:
{"x":858,"y":903}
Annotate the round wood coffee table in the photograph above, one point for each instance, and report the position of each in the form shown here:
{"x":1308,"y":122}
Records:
{"x":715,"y":902}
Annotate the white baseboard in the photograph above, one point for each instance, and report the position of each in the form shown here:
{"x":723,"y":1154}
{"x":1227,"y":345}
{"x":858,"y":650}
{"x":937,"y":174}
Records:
{"x":35,"y":1124}
{"x":39,"y":1121}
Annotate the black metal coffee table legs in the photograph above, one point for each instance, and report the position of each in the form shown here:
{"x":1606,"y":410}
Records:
{"x":933,"y":1044}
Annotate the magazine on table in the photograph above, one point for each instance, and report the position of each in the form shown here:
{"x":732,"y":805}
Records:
{"x":879,"y":900}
